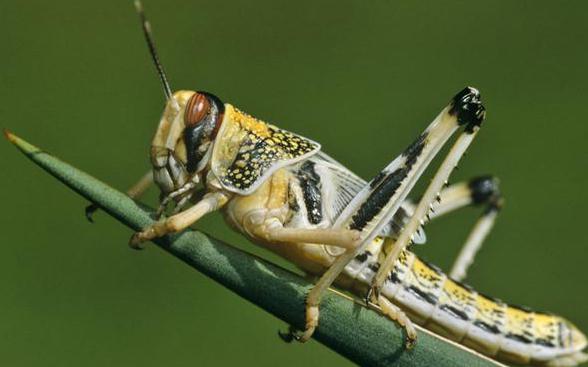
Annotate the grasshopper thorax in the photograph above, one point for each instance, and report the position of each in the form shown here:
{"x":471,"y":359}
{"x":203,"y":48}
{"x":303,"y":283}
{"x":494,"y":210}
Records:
{"x":184,"y":139}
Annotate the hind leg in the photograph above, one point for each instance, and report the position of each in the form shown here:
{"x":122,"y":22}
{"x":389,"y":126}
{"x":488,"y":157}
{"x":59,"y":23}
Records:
{"x":423,"y":208}
{"x":376,"y":204}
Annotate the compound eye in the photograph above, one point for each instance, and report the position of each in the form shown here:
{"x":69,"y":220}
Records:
{"x":196,"y":109}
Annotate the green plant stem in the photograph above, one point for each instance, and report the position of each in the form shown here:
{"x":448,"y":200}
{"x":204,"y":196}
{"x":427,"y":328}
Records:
{"x":360,"y":334}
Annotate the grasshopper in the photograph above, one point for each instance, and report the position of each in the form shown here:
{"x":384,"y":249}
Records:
{"x":282,"y":192}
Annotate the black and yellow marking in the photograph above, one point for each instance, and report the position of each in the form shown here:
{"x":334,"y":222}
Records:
{"x":385,"y":185}
{"x":310,"y":183}
{"x":466,"y":315}
{"x":251,"y":149}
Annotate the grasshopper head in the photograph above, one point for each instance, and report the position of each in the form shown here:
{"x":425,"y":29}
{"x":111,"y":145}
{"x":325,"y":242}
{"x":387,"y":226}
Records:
{"x":182,"y":145}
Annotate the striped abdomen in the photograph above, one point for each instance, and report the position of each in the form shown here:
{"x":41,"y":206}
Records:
{"x":449,"y":308}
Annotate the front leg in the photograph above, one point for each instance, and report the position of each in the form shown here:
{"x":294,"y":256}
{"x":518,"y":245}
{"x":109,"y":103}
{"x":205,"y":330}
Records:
{"x":209,"y":203}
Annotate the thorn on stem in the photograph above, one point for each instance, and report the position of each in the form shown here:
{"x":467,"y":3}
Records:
{"x":9,"y":135}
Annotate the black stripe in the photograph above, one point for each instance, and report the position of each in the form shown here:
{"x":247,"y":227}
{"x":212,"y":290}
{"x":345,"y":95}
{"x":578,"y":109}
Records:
{"x":376,"y":180}
{"x":527,"y":333}
{"x":363,"y":256}
{"x":486,"y":327}
{"x":393,"y":277}
{"x":378,"y":199}
{"x":455,"y":312}
{"x":310,"y":182}
{"x":519,"y":338}
{"x":414,"y":150}
{"x":425,"y":296}
{"x":387,"y":184}
{"x":545,"y":342}
{"x":375,"y":266}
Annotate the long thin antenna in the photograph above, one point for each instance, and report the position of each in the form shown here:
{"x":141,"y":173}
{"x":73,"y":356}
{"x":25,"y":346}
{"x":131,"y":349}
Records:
{"x":152,"y":50}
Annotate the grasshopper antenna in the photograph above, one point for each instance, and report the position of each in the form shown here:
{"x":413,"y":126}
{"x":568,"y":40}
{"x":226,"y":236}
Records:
{"x":152,"y":50}
{"x":92,"y":208}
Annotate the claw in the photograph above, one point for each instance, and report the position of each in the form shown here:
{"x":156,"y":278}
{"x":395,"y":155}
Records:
{"x":395,"y":314}
{"x":151,"y":232}
{"x":368,"y":298}
{"x":302,"y":336}
{"x":89,"y":211}
{"x":410,"y":342}
{"x":372,"y":295}
{"x":137,"y":242}
{"x":290,"y":335}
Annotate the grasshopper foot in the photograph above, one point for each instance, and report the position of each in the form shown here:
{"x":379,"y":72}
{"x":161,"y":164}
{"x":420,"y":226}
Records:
{"x":156,"y":230}
{"x":289,"y":336}
{"x":312,"y":318}
{"x":312,"y":315}
{"x":395,"y":314}
{"x":89,"y":211}
{"x":137,"y":241}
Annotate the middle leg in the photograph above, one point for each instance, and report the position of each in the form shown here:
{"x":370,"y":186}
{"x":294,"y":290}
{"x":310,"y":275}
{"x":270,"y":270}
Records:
{"x":479,"y":191}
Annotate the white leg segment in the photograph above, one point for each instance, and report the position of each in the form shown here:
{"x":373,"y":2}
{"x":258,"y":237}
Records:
{"x":473,"y":244}
{"x":209,"y":203}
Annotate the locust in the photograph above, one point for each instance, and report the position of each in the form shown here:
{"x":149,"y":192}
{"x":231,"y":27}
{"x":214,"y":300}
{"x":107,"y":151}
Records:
{"x":281,"y":191}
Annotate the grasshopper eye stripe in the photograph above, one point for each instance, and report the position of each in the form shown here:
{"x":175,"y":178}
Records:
{"x":197,"y":108}
{"x":202,"y":119}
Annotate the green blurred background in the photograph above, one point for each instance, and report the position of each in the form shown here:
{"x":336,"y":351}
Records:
{"x":363,"y":78}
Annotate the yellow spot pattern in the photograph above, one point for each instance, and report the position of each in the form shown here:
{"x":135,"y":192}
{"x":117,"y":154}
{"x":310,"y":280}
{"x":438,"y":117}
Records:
{"x":251,"y":147}
{"x":427,"y":277}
